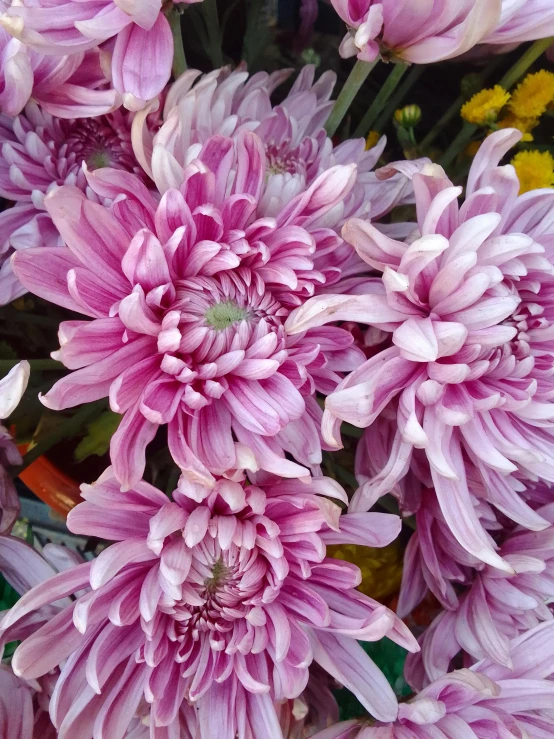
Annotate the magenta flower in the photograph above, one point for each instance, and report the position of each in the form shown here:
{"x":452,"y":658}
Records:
{"x":39,"y":153}
{"x":494,"y":608}
{"x":296,"y":145}
{"x":189,"y":325}
{"x":66,"y":86}
{"x":12,"y":388}
{"x":484,"y":702}
{"x":143,"y":51}
{"x":467,"y":371}
{"x":220,"y":599}
{"x":521,"y":21}
{"x":415,"y":32}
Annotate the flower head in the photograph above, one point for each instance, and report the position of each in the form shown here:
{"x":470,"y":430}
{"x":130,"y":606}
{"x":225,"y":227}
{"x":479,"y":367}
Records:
{"x":485,"y":608}
{"x":482,"y":702}
{"x":189,"y":298}
{"x":222,"y":603}
{"x":533,"y":95}
{"x":484,"y":107}
{"x":467,"y":373}
{"x":535,"y":169}
{"x":12,"y":388}
{"x":526,"y":20}
{"x":143,"y":50}
{"x":420,"y":34}
{"x":40,"y":153}
{"x":66,"y":86}
{"x":297,"y":147}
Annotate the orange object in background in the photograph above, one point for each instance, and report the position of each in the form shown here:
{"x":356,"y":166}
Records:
{"x":50,"y":484}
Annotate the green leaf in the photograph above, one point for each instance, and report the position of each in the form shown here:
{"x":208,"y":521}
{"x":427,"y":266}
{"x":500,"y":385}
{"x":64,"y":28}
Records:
{"x":98,"y":436}
{"x":390,"y":658}
{"x":8,"y":596}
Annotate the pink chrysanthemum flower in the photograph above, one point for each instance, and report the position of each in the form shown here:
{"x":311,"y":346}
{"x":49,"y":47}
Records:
{"x":485,"y":702}
{"x":468,"y":368}
{"x":421,"y":33}
{"x":495,"y":606}
{"x":521,"y":21}
{"x":68,"y":86}
{"x":222,"y":603}
{"x":189,"y":298}
{"x":297,"y":147}
{"x":12,"y":388}
{"x":143,"y":51}
{"x":39,"y":153}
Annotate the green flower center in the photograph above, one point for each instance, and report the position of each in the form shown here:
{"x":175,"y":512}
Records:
{"x":98,"y":159}
{"x":223,"y":315}
{"x":220,"y":573}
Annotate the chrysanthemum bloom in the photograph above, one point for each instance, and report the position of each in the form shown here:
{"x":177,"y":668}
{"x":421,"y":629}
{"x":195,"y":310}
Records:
{"x":189,"y":298}
{"x":533,"y":95}
{"x":221,"y":598}
{"x":524,"y":20}
{"x":12,"y":388}
{"x":143,"y":51}
{"x":24,"y":704}
{"x":535,"y":169}
{"x":484,"y":107}
{"x":415,"y":32}
{"x":39,"y":153}
{"x":67,"y":86}
{"x":493,"y":608}
{"x":468,"y":370}
{"x":297,"y":147}
{"x":484,"y":702}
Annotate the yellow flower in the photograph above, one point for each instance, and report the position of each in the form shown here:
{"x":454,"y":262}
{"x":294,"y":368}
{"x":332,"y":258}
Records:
{"x":381,"y":568}
{"x":534,"y":169}
{"x":484,"y":107}
{"x":525,"y":125}
{"x":372,"y":139}
{"x":532,"y":96}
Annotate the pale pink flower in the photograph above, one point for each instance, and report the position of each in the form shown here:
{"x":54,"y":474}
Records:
{"x":221,"y":598}
{"x":468,"y":369}
{"x":416,"y":32}
{"x":66,"y":86}
{"x":523,"y":20}
{"x":495,"y":606}
{"x":12,"y":388}
{"x":484,"y":702}
{"x":143,"y":51}
{"x":189,"y":297}
{"x":39,"y":153}
{"x":297,"y":147}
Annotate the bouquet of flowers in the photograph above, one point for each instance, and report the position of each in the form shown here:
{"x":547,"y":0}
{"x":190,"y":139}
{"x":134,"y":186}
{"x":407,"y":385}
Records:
{"x":277,"y":357}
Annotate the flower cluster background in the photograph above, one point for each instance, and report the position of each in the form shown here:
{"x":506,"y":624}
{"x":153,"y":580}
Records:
{"x":277,"y":369}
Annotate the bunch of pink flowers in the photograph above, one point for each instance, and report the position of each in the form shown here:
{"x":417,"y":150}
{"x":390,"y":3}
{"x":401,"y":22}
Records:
{"x":237,"y":289}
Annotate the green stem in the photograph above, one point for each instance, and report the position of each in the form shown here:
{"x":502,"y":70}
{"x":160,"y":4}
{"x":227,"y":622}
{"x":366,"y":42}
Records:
{"x":508,"y":81}
{"x":214,"y":32}
{"x":179,"y":62}
{"x":36,"y":364}
{"x":415,"y":73}
{"x":397,"y":72}
{"x":456,"y":106}
{"x":67,"y":429}
{"x":460,"y":142}
{"x":356,"y":78}
{"x":522,"y":65}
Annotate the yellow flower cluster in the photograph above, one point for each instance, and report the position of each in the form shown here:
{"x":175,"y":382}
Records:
{"x":530,"y":100}
{"x":381,"y":568}
{"x":484,"y":107}
{"x":535,"y":169}
{"x":533,"y":96}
